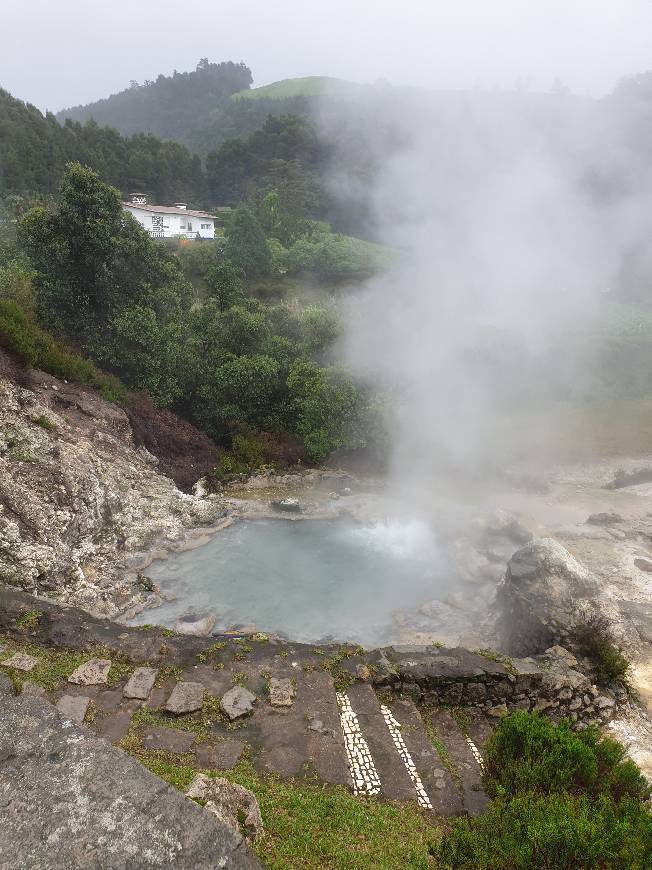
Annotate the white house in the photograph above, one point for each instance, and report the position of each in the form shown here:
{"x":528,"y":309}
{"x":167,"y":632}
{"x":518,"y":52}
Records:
{"x":170,"y":221}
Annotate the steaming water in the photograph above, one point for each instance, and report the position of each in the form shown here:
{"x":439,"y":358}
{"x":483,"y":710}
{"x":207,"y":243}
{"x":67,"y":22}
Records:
{"x":308,"y":580}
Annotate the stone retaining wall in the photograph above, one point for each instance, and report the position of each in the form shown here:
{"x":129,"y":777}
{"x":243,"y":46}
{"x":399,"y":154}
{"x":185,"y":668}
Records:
{"x":552,"y":683}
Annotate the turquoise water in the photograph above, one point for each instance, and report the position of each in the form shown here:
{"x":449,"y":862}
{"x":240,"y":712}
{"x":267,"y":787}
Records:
{"x":308,"y":580}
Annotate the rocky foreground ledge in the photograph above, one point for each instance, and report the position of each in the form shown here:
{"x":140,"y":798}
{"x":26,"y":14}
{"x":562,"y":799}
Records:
{"x":87,"y":704}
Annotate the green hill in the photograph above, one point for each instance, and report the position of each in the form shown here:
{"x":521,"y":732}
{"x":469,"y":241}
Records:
{"x":309,"y":86}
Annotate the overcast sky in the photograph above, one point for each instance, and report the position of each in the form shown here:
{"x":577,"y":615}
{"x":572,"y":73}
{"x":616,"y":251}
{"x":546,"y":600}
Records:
{"x":58,"y":53}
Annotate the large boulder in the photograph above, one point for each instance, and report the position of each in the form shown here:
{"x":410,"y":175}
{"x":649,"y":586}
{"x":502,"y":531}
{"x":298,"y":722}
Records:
{"x":546,"y":592}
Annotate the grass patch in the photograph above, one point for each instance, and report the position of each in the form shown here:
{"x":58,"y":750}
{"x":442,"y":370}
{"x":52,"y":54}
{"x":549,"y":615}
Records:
{"x":308,"y":825}
{"x":54,"y":665}
{"x":44,"y":422}
{"x":29,"y":620}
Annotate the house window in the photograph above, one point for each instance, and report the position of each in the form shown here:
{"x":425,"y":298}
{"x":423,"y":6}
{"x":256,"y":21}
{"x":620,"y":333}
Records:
{"x":189,"y":227}
{"x":182,"y":225}
{"x":205,"y":226}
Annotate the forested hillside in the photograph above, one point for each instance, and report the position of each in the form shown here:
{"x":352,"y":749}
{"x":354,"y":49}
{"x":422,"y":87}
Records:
{"x":34,"y":150}
{"x":170,"y":107}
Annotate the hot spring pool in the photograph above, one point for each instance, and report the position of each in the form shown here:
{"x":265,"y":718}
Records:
{"x":311,"y":580}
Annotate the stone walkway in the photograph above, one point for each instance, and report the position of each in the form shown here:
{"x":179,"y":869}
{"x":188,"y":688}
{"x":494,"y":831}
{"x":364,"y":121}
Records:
{"x":291,"y":721}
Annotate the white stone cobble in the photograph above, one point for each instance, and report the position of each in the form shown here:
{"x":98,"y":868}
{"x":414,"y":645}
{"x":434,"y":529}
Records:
{"x":363,"y":770}
{"x":395,"y":731}
{"x":476,"y":752}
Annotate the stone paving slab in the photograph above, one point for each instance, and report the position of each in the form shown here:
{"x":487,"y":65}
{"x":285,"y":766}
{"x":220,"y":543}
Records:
{"x":73,"y":707}
{"x":140,"y":683}
{"x":220,"y":756}
{"x":112,"y":727}
{"x":474,"y":798}
{"x":237,"y":702}
{"x":316,"y":704}
{"x":61,"y":785}
{"x":394,"y":778}
{"x":185,"y":698}
{"x":437,"y":781}
{"x":168,"y":739}
{"x":94,"y":672}
{"x":281,"y":692}
{"x":21,"y":662}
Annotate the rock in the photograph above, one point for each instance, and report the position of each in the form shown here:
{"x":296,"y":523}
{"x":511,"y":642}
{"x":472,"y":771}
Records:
{"x":501,"y":524}
{"x":221,"y":756}
{"x":545,"y":594}
{"x":6,"y":686}
{"x":606,"y":518}
{"x":230,"y":803}
{"x":94,"y":672}
{"x":643,"y":565}
{"x":185,"y":698}
{"x":497,"y":711}
{"x":198,"y":627}
{"x":31,"y":689}
{"x":289,"y":505}
{"x":140,"y":683}
{"x":346,"y":490}
{"x":168,"y":739}
{"x":560,"y":653}
{"x":70,"y":799}
{"x":281,"y":692}
{"x":604,"y":703}
{"x":73,"y":707}
{"x":20,"y":661}
{"x":237,"y":702}
{"x":333,"y":496}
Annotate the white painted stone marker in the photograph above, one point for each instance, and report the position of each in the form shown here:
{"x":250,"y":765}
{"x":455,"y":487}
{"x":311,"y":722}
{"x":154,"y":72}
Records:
{"x":20,"y":661}
{"x":94,"y":672}
{"x":394,"y":728}
{"x":361,"y":764}
{"x":140,"y":683}
{"x":73,"y":707}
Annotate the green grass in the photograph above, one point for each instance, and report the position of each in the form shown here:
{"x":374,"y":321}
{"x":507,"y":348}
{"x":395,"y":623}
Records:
{"x":309,"y":86}
{"x":308,"y":825}
{"x":29,"y":619}
{"x":44,"y":422}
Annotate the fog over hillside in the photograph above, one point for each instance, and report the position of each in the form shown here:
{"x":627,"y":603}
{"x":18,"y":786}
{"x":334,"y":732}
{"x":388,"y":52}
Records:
{"x":516,"y":219}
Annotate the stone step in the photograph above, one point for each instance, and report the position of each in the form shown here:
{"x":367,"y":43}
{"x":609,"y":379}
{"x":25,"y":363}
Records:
{"x":442,"y":791}
{"x":370,"y":736}
{"x":462,"y":756}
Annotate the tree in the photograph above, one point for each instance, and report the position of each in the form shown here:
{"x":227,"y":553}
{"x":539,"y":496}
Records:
{"x":246,"y":245}
{"x":224,"y":283}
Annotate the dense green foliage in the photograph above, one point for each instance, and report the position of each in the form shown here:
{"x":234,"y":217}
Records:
{"x":558,"y":831}
{"x":527,"y":752}
{"x":563,"y":799}
{"x":34,"y":150}
{"x":34,"y":347}
{"x":182,"y":329}
{"x":171,"y":106}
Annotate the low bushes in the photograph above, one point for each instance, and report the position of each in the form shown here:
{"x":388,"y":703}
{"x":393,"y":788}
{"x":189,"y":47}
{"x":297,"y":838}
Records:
{"x":562,"y":799}
{"x":527,"y":752}
{"x":558,"y":831}
{"x":35,"y":348}
{"x":594,"y":639}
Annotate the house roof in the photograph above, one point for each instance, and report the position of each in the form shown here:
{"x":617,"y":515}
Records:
{"x":170,"y":209}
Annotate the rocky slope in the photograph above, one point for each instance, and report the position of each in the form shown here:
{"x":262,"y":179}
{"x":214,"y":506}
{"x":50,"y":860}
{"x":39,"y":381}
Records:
{"x":79,"y":498}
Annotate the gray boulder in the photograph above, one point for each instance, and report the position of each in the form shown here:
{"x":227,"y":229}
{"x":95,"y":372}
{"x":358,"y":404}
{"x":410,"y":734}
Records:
{"x":546,"y":592}
{"x":229,"y":802}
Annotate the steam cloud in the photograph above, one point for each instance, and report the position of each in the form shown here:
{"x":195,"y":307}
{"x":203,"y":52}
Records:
{"x":512,"y":215}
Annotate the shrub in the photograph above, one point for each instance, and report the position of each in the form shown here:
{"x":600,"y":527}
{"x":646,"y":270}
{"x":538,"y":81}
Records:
{"x":36,"y":349}
{"x":594,"y":639}
{"x":527,"y":752}
{"x":551,"y":831}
